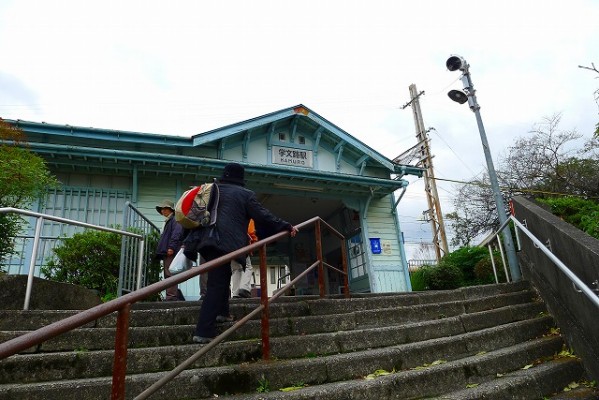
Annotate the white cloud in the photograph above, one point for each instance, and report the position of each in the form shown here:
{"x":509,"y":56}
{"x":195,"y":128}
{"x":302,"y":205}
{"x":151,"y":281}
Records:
{"x":187,"y":67}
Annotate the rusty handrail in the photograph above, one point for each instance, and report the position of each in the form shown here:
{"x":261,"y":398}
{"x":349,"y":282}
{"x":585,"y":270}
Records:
{"x":123,"y":306}
{"x":30,"y":339}
{"x":169,"y":376}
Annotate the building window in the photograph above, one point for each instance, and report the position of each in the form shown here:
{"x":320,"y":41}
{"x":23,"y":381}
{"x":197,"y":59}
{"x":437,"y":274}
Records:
{"x":301,"y":139}
{"x":357,"y":258}
{"x":282,"y":137}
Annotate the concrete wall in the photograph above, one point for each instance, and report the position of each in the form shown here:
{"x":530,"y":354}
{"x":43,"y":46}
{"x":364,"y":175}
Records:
{"x":577,"y":316}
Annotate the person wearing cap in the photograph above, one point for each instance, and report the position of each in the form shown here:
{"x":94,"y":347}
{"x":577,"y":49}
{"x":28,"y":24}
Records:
{"x":237,"y":205}
{"x":169,"y":243}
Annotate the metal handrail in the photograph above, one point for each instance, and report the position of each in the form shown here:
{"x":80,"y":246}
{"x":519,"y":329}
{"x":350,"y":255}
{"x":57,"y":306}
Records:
{"x":124,"y":259}
{"x":187,"y":363}
{"x":576,"y":281}
{"x":265,"y":301}
{"x":139,"y":213}
{"x":123,"y":304}
{"x":487,"y":241}
{"x":38,"y":230}
{"x":571,"y":275}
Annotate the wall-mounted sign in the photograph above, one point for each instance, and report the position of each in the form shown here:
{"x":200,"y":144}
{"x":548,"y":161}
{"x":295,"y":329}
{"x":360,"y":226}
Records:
{"x":386,"y":246}
{"x":375,"y":245}
{"x":291,"y":156}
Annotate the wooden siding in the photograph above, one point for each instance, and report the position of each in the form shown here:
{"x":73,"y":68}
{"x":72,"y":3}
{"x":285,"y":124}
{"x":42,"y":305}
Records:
{"x":153,"y":191}
{"x":387,"y":267}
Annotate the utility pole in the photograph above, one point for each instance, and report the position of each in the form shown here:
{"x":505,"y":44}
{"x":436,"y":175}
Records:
{"x":435,"y":215}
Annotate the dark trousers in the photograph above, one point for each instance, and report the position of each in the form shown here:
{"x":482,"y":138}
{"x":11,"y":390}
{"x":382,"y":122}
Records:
{"x":216,"y":301}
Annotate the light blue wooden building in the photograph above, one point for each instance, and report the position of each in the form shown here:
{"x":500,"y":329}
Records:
{"x":299,"y":164}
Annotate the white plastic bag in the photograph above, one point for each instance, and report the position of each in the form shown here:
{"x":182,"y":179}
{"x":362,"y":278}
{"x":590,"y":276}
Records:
{"x":180,"y":263}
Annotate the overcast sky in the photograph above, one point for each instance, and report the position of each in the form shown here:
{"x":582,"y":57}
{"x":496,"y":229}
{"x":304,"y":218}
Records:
{"x":186,"y":67}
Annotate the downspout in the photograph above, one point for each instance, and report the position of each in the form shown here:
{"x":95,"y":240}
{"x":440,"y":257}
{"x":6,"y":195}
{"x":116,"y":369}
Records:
{"x":402,"y":250}
{"x":399,"y":199}
{"x":134,"y":185}
{"x":365,"y":240}
{"x":368,"y":200}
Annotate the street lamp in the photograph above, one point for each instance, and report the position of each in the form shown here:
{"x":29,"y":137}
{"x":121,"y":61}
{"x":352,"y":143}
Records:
{"x":455,"y":63}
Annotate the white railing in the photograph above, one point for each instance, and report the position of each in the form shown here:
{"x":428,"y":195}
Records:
{"x":130,"y":277}
{"x":488,"y":241}
{"x":38,"y":230}
{"x":578,"y":284}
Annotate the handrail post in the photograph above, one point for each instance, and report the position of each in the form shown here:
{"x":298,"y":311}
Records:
{"x":36,"y":241}
{"x":344,"y":266}
{"x":318,"y":234}
{"x":493,"y":262}
{"x":502,"y":252}
{"x":140,"y":263}
{"x":119,"y":369}
{"x":265,"y":323}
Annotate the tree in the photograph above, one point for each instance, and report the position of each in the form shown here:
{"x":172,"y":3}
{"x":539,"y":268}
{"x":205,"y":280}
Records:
{"x":24,"y":178}
{"x":475,"y":212}
{"x":549,"y":161}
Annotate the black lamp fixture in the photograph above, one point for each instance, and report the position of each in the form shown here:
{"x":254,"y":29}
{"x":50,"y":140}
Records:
{"x":456,"y":62}
{"x":458,"y":96}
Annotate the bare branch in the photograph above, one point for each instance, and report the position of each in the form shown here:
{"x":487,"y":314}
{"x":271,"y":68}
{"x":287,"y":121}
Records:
{"x":591,"y":68}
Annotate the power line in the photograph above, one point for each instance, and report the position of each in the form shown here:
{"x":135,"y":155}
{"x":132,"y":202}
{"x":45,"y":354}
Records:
{"x":515,"y":189}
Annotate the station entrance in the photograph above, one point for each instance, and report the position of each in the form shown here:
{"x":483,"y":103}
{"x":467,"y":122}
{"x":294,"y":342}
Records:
{"x":288,"y":258}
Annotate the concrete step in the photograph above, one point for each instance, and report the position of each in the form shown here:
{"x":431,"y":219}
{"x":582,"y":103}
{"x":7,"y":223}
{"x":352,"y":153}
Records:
{"x":434,"y":344}
{"x":50,"y":366}
{"x":175,"y":326}
{"x":339,"y":376}
{"x":186,"y":312}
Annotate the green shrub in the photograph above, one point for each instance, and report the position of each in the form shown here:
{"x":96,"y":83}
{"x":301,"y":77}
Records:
{"x":90,"y":259}
{"x":9,"y":227}
{"x":417,"y":279}
{"x":483,"y":270}
{"x":442,"y":277}
{"x":590,"y":224}
{"x":465,"y":259}
{"x":584,"y":214}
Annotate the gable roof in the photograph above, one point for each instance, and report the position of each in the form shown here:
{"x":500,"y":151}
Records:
{"x":326,"y":133}
{"x":92,"y":149}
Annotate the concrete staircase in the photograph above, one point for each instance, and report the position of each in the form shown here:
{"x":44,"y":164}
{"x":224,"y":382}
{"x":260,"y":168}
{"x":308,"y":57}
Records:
{"x":485,"y":342}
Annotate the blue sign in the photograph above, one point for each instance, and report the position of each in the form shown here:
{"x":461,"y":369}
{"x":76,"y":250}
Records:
{"x":375,"y":245}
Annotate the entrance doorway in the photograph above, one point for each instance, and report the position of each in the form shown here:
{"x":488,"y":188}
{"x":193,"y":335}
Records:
{"x":299,"y":253}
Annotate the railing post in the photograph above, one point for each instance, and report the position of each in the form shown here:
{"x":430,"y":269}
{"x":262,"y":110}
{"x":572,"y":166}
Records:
{"x":140,"y":263}
{"x":36,"y":242}
{"x":344,"y":266}
{"x":119,"y":368}
{"x":265,"y":325}
{"x":501,"y":251}
{"x":318,"y":234}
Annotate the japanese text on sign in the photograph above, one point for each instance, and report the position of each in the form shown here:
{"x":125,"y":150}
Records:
{"x":290,"y":156}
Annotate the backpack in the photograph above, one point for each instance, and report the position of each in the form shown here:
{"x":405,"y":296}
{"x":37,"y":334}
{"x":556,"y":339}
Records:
{"x":197,"y":207}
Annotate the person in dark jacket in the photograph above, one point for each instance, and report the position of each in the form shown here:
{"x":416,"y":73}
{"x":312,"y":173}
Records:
{"x":169,"y":244}
{"x":237,"y":205}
